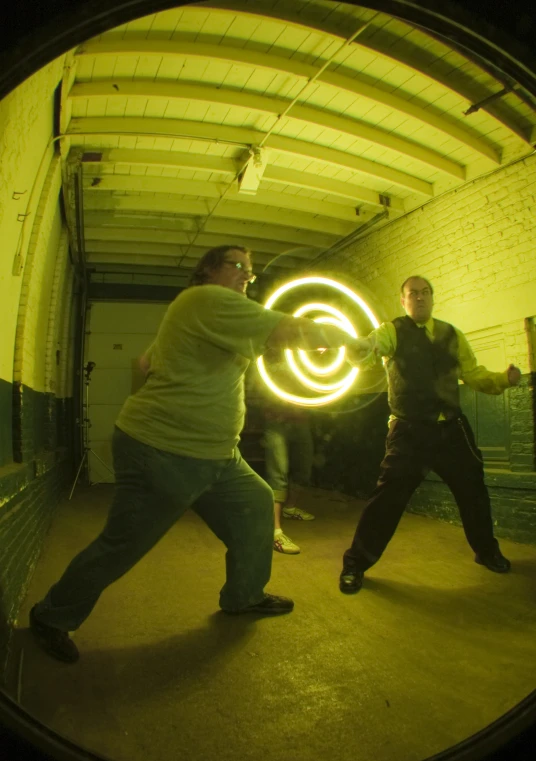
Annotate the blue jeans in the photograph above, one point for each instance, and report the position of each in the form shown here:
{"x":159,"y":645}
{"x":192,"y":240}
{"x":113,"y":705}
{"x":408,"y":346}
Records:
{"x":153,"y":489}
{"x":288,"y":454}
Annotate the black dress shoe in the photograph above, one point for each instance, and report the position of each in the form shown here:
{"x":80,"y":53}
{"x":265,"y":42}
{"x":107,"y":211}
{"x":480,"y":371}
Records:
{"x":350,"y":580}
{"x":496,"y":562}
{"x":53,"y":641}
{"x":270,"y":605}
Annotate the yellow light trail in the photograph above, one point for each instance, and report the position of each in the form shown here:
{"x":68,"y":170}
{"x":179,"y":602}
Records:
{"x":334,"y":317}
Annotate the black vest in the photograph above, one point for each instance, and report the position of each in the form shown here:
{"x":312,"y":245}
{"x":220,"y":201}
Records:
{"x":423,"y":376}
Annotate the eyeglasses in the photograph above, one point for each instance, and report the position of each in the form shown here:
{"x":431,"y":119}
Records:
{"x":239,"y":266}
{"x":423,"y":292}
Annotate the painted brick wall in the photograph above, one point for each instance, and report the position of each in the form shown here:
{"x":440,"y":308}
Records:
{"x":36,"y":292}
{"x":477,"y":246}
{"x":26,"y":130}
{"x":35,"y":302}
{"x":6,"y":424}
{"x":28,"y":495}
{"x":513,"y":504}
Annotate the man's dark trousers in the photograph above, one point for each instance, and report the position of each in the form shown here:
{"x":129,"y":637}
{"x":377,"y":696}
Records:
{"x":412,"y":449}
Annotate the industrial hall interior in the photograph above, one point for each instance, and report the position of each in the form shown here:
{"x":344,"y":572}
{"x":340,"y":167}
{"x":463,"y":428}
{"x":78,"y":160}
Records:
{"x":352,"y":169}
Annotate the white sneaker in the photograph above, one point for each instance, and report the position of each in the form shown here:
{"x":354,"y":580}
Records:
{"x":297,"y":514}
{"x":285,"y":545}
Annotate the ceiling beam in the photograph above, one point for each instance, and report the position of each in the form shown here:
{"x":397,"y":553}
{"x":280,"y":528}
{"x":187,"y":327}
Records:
{"x":367,"y":87}
{"x":214,"y":191}
{"x":141,"y":259}
{"x":348,"y":190}
{"x":103,"y":272}
{"x":238,"y":229}
{"x":240,"y":136}
{"x":140,"y":235}
{"x":227,"y":209}
{"x":293,"y":238}
{"x":110,"y":218}
{"x":363,"y":86}
{"x":139,"y":126}
{"x":150,"y":184}
{"x":148,"y":248}
{"x":116,"y":252}
{"x":168,"y":159}
{"x":150,"y":88}
{"x":183,"y":47}
{"x":378,"y":42}
{"x":202,"y":162}
{"x":351,"y":161}
{"x":135,"y":269}
{"x":162,"y":266}
{"x":373,"y":134}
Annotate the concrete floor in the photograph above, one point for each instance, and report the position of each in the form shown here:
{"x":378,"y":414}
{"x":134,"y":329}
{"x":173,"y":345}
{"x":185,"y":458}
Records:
{"x":433,"y":649}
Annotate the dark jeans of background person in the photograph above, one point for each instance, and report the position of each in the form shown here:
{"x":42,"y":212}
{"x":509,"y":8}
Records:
{"x":412,"y":449}
{"x":288,"y":455}
{"x":153,"y":489}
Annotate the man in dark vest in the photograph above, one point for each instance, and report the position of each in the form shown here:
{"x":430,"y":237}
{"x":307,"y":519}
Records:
{"x":427,"y":431}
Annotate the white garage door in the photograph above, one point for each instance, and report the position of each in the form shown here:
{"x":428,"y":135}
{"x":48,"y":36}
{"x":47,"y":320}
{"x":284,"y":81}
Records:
{"x":119,"y":333}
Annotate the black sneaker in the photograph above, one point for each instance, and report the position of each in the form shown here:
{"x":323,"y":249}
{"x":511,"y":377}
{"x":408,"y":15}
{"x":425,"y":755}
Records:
{"x":53,"y":641}
{"x":496,"y":562}
{"x":350,"y":580}
{"x":270,"y":605}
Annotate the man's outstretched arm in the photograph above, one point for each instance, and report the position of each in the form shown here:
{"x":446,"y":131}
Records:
{"x":479,"y":377}
{"x":302,"y":333}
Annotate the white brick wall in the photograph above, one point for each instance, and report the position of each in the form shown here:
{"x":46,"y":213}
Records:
{"x":26,"y":117}
{"x":34,"y":307}
{"x":477,"y":246}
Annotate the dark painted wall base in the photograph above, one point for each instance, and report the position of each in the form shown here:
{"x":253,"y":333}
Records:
{"x":31,"y":491}
{"x":350,"y":447}
{"x":513,"y":503}
{"x":6,"y":423}
{"x":35,"y":467}
{"x":40,"y":421}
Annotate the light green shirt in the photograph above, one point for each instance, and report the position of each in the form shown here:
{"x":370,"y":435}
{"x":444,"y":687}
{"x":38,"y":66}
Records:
{"x":192,"y":402}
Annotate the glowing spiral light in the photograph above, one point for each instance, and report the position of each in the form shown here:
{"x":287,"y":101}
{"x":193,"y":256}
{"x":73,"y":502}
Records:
{"x":329,"y":391}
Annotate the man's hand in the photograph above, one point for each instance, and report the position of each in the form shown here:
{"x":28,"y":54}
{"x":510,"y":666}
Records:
{"x":357,"y":350}
{"x":514,"y":375}
{"x":145,"y":364}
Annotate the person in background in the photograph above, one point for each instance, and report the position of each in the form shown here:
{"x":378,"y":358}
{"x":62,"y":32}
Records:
{"x":289,"y":453}
{"x":425,"y":358}
{"x":175,"y":447}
